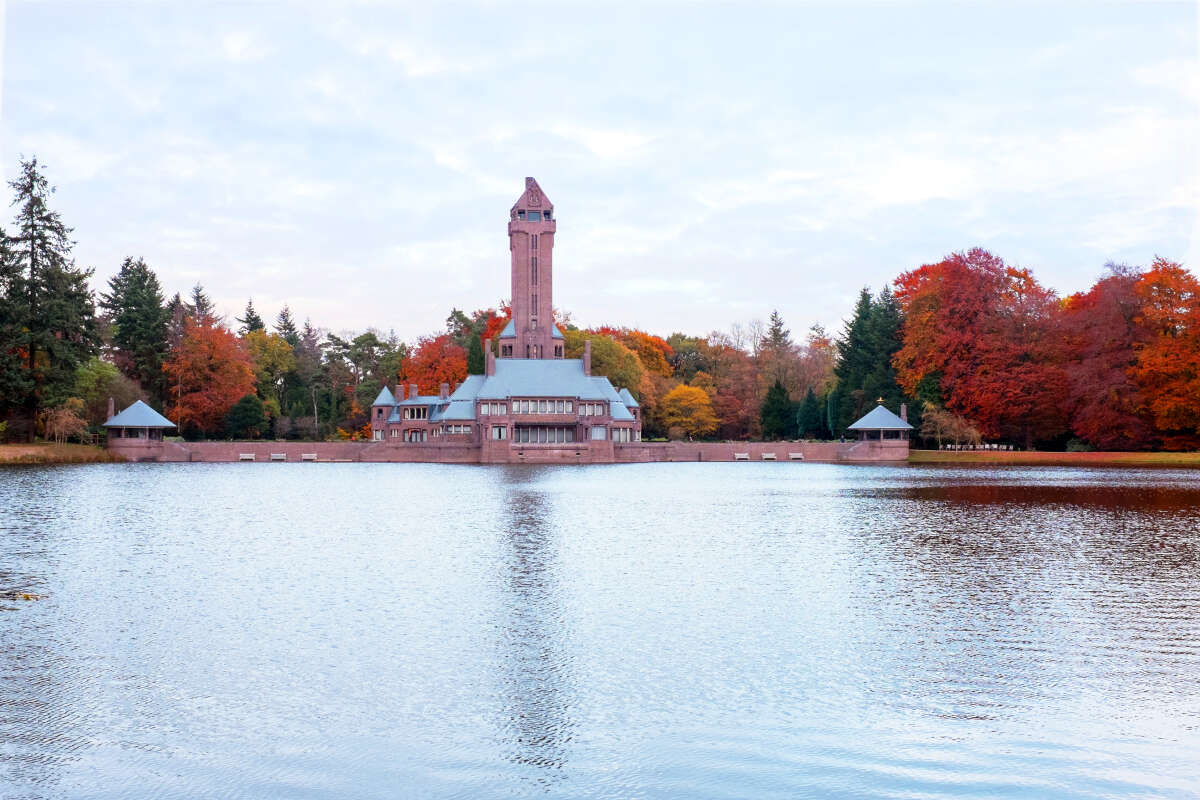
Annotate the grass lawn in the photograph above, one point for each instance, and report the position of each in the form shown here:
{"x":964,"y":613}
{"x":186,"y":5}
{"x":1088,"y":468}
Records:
{"x":54,"y":454}
{"x":1157,"y":459}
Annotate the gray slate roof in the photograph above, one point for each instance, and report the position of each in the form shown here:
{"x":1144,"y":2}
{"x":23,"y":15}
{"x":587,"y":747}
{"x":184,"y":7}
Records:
{"x":628,"y":399}
{"x":880,"y":419}
{"x":616,"y":408}
{"x":510,"y":330}
{"x":523,"y":377}
{"x":139,"y":415}
{"x":385,"y":398}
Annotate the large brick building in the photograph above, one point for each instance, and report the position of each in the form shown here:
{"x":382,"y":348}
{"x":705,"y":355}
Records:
{"x":531,"y":403}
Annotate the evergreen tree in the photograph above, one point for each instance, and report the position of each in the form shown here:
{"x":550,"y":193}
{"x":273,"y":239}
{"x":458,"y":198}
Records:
{"x":778,"y":337}
{"x":48,"y":298}
{"x":247,"y":419}
{"x":140,"y":322}
{"x":808,"y":419}
{"x":201,"y":306}
{"x":475,"y":362}
{"x":285,"y":326}
{"x":778,"y":416}
{"x":864,"y":370}
{"x":15,"y":381}
{"x":250,"y":320}
{"x":177,"y":314}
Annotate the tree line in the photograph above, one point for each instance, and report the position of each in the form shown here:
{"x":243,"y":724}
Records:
{"x":976,"y":348}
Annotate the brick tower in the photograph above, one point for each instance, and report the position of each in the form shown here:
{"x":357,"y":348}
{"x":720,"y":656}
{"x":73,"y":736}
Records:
{"x":531,"y":225}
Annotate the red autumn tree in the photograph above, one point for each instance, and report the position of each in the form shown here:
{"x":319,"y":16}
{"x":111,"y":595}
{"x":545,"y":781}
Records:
{"x":207,"y":373}
{"x":983,"y":332}
{"x":1101,"y":336}
{"x":1167,"y":371}
{"x":434,"y":361}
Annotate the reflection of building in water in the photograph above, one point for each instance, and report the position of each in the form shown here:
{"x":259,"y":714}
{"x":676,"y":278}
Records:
{"x":534,"y":660}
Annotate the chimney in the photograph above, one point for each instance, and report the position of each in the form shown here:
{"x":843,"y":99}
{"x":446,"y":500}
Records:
{"x":444,"y":393}
{"x":587,"y":356}
{"x":489,"y":359}
{"x":112,"y":408}
{"x":904,"y":411}
{"x":412,"y":391}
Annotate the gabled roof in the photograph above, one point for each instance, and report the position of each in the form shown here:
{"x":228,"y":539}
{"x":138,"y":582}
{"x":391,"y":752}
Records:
{"x":880,"y":419}
{"x":533,"y":197}
{"x":510,"y":332}
{"x":139,"y":415}
{"x":385,"y":398}
{"x":628,"y":399}
{"x":616,"y":406}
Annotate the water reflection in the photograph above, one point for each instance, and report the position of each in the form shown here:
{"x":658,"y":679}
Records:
{"x":537,"y":688}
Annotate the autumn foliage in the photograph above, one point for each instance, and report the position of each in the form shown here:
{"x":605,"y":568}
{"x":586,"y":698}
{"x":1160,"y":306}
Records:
{"x":208,"y":372}
{"x":434,"y":361}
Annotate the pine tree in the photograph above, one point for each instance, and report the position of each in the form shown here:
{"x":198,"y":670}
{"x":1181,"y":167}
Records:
{"x":250,"y":320}
{"x":778,"y":338}
{"x":201,"y":306}
{"x":778,"y":415}
{"x":285,"y":326}
{"x":48,"y":296}
{"x":475,"y":362}
{"x":864,"y":371}
{"x":140,"y":321}
{"x":808,"y":419}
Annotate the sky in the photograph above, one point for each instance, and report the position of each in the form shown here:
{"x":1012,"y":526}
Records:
{"x":707,"y":163}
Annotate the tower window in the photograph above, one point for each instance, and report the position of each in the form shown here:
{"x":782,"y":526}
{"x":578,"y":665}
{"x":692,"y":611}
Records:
{"x":533,"y":271}
{"x":520,"y":215}
{"x":534,"y":304}
{"x":533,"y":243}
{"x":533,"y":324}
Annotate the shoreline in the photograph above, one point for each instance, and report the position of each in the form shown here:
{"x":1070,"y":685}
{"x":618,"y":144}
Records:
{"x":1038,"y":458}
{"x":44,"y":453}
{"x":48,"y":454}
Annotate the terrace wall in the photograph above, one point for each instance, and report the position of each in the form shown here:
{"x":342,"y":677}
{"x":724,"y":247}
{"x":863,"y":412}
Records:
{"x":466,"y":453}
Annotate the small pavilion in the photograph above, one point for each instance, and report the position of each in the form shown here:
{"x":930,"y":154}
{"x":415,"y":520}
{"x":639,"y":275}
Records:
{"x":138,"y":422}
{"x":881,"y":424}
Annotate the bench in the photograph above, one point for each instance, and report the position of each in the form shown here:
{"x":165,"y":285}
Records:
{"x":796,"y":456}
{"x":279,"y":456}
{"x":308,"y":456}
{"x":245,"y":456}
{"x":769,"y":457}
{"x":741,"y":456}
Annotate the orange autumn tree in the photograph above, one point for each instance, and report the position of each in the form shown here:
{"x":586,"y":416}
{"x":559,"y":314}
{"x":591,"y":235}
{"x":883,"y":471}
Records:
{"x":434,"y":361}
{"x":207,"y":373}
{"x":1167,"y":371}
{"x":979,"y":336}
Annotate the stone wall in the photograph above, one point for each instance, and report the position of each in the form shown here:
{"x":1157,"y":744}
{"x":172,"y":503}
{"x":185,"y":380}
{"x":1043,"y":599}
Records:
{"x":502,"y":452}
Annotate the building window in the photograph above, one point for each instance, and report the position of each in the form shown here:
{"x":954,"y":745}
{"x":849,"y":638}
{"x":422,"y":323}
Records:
{"x":533,"y":322}
{"x":542,"y":407}
{"x":379,"y":436}
{"x":533,"y":272}
{"x":483,"y":409}
{"x":499,"y":432}
{"x":558,"y":353}
{"x":521,"y":215}
{"x":533,"y":246}
{"x":599,"y":433}
{"x":506,"y":351}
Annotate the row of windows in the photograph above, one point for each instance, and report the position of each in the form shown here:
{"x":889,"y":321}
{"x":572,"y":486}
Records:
{"x":543,"y":407}
{"x":622,"y":435}
{"x":458,"y":429}
{"x":493,"y":408}
{"x":534,"y":216}
{"x":542,"y":435}
{"x":415,"y":412}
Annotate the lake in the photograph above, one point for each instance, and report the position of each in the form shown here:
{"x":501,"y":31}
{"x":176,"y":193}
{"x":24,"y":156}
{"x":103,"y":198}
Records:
{"x":630,"y":631}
